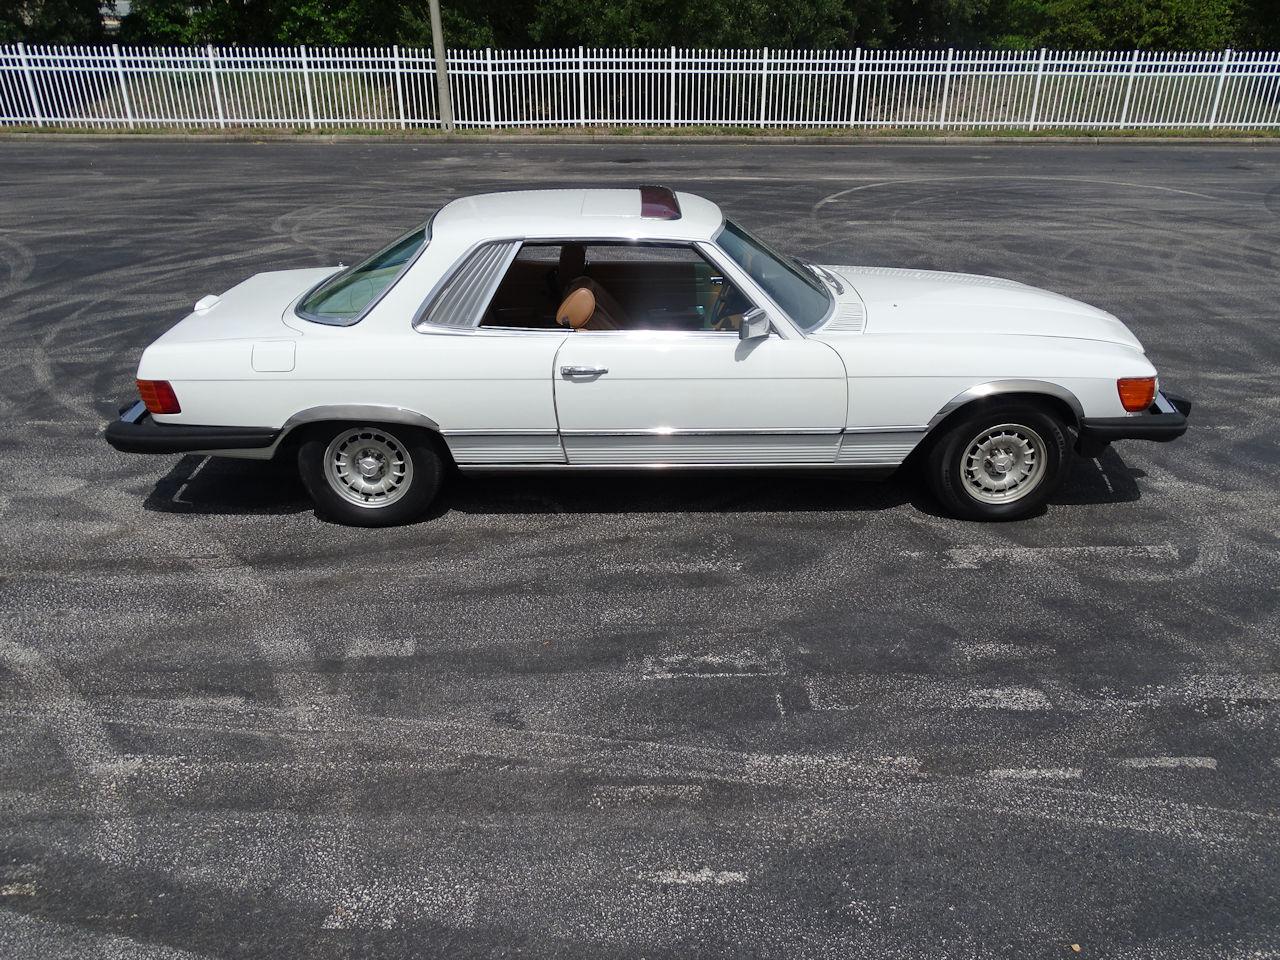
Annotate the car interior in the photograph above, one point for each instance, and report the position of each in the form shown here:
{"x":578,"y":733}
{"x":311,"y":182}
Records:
{"x":602,"y":286}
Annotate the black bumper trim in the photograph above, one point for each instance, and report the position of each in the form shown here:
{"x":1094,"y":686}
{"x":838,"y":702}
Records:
{"x":1166,"y":420}
{"x":137,"y":432}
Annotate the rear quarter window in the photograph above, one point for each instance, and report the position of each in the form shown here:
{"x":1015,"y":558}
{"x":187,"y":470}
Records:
{"x":344,"y":298}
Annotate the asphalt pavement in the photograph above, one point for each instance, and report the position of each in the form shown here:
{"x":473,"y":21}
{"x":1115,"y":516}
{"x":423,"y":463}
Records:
{"x":639,"y":717}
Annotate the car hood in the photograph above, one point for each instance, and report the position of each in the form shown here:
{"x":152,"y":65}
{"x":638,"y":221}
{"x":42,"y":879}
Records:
{"x":926,"y":301}
{"x":252,"y":310}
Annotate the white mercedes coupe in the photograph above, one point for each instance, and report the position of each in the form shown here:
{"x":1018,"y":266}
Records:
{"x":624,"y":329}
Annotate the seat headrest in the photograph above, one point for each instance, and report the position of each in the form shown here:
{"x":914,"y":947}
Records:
{"x":573,"y":261}
{"x":577,"y":309}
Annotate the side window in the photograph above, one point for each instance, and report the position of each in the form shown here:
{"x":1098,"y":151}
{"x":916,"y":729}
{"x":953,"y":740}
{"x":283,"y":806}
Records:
{"x":634,"y":287}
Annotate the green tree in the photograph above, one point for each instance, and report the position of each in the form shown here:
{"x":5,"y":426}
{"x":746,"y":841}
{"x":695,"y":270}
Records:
{"x":1258,"y":25}
{"x":1115,"y":24}
{"x":50,"y":21}
{"x":250,"y":22}
{"x":708,"y":23}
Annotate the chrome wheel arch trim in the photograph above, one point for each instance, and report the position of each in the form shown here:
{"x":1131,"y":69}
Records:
{"x":996,"y":388}
{"x":368,"y":412}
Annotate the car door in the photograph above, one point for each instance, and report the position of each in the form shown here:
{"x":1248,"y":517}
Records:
{"x":698,"y":398}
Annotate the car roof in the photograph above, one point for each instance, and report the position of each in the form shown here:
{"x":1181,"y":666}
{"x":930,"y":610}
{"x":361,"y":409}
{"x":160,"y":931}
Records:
{"x":574,"y":214}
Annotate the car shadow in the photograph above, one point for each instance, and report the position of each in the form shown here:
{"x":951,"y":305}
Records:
{"x":220,"y":485}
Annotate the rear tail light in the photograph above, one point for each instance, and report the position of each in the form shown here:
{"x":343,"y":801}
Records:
{"x":159,"y":397}
{"x":1136,"y":393}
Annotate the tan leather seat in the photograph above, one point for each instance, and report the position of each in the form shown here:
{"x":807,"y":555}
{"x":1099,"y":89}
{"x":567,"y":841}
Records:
{"x":579,"y":311}
{"x":609,"y":314}
{"x":576,"y":309}
{"x":573,"y":264}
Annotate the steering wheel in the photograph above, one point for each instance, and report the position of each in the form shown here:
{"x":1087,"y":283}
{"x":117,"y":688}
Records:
{"x":720,"y":312}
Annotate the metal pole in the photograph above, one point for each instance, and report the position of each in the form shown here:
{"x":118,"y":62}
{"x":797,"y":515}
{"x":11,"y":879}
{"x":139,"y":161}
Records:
{"x":1035,"y":97}
{"x":764,"y":83}
{"x":399,"y":86}
{"x":124,"y":87}
{"x":488,"y":76}
{"x":853,"y":92}
{"x":671,"y":98}
{"x":31,"y":87}
{"x":946,"y":89}
{"x":217,"y":90}
{"x":445,"y":104}
{"x":1128,"y":89}
{"x":582,"y":92}
{"x":306,"y":85}
{"x":1217,"y":94}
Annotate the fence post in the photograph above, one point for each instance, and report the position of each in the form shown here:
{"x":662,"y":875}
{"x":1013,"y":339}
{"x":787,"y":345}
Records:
{"x":31,"y":86}
{"x":853,"y":93}
{"x":395,"y":52}
{"x":124,"y":88}
{"x":306,"y":85}
{"x":1035,"y":97}
{"x":217,"y":90}
{"x":582,"y":91}
{"x":946,"y":89}
{"x":764,"y":84}
{"x":1128,"y":89}
{"x":488,"y":78}
{"x":671,"y":107}
{"x":1217,"y":93}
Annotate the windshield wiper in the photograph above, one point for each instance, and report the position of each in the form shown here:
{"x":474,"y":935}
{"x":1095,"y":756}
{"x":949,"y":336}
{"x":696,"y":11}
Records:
{"x":822,"y":274}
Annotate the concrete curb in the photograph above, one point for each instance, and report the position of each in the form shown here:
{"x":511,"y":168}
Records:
{"x":630,"y":140}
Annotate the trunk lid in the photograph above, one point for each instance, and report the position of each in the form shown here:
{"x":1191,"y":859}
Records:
{"x":252,"y":310}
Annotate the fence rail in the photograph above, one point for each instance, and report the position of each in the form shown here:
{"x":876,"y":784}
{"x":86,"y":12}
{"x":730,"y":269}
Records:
{"x":389,"y":88}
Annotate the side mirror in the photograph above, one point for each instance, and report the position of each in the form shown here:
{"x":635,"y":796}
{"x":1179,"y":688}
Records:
{"x":755,"y":325}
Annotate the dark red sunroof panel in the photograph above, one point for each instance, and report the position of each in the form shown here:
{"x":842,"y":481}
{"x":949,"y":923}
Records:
{"x":659,"y":203}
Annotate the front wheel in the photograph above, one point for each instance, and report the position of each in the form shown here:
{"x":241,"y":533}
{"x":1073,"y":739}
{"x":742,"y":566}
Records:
{"x":1001,"y":463}
{"x":370,"y":476}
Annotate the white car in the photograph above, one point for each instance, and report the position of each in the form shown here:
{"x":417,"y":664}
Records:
{"x":606,"y":329}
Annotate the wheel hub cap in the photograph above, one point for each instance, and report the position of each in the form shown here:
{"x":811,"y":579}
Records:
{"x":1003,"y":463}
{"x":368,"y":466}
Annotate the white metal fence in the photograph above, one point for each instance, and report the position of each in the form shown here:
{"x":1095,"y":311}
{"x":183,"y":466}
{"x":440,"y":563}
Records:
{"x":389,"y":88}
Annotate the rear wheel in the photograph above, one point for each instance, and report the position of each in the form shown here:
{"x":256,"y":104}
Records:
{"x":370,"y":475}
{"x":1001,"y":463}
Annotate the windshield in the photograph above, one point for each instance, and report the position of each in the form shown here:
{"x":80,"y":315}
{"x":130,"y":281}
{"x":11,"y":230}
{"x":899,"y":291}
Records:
{"x":344,"y":297}
{"x":792,"y":287}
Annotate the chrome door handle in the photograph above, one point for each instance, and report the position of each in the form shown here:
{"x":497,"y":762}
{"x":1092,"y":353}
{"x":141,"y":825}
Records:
{"x":583,"y":371}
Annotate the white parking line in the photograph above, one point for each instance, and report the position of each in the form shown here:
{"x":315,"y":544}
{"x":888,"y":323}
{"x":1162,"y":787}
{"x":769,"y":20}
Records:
{"x":744,"y":664}
{"x":1009,"y":698}
{"x":611,"y":795}
{"x":1170,"y":763}
{"x":1036,"y":773}
{"x":177,"y":497}
{"x":973,"y":558}
{"x":719,"y":878}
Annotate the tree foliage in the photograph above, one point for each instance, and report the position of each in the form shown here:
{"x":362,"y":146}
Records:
{"x":50,"y":21}
{"x":1116,"y":24}
{"x":1073,"y":24}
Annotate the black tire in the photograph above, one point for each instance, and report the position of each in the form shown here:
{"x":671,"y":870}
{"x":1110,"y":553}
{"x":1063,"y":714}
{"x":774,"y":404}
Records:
{"x":405,"y":473}
{"x":974,"y":493}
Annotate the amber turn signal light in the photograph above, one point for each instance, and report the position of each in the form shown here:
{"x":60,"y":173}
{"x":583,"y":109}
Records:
{"x":1136,"y":393}
{"x":158,"y":396}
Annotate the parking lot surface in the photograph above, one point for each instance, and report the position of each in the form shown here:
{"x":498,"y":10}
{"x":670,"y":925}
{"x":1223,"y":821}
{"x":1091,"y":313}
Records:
{"x":648,"y":717}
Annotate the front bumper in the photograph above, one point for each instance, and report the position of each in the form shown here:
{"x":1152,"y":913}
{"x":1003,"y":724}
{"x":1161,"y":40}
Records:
{"x":1164,"y":420}
{"x":137,"y":432}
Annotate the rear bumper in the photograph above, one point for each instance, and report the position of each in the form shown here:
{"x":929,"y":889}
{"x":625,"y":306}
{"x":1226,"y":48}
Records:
{"x":1165,"y":420}
{"x":137,"y":432}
